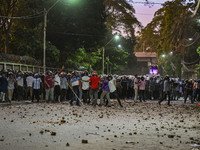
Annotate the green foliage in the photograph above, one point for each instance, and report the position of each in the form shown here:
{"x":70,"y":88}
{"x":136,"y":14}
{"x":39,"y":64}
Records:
{"x":75,"y":33}
{"x":169,"y":30}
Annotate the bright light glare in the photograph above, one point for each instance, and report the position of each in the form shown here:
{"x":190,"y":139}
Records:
{"x":171,"y":52}
{"x":74,"y":2}
{"x":190,"y":39}
{"x":117,"y":37}
{"x":119,"y":46}
{"x":163,"y":55}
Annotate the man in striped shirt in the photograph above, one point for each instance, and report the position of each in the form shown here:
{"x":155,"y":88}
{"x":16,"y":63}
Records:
{"x":36,"y":87}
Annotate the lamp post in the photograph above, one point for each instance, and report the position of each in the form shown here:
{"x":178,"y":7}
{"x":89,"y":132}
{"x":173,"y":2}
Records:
{"x":44,"y":38}
{"x":116,"y":37}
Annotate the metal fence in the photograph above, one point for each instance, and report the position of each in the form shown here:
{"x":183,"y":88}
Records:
{"x":23,"y":67}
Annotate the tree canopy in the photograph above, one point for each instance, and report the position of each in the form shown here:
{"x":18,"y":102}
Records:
{"x":171,"y":30}
{"x":76,"y":32}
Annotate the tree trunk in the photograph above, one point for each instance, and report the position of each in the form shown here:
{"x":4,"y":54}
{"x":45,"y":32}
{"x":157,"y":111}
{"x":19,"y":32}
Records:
{"x":6,"y":43}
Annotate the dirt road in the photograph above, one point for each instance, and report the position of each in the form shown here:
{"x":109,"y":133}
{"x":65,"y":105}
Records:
{"x":143,"y":126}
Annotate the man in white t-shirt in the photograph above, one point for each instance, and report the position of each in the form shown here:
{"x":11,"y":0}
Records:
{"x":11,"y":86}
{"x":85,"y":87}
{"x":63,"y":86}
{"x":57,"y":91}
{"x":29,"y":83}
{"x":20,"y":86}
{"x":113,"y":90}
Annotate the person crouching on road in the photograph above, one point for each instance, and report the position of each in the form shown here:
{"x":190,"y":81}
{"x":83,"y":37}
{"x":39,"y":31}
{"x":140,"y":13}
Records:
{"x":74,"y":82}
{"x":37,"y":84}
{"x":113,"y":90}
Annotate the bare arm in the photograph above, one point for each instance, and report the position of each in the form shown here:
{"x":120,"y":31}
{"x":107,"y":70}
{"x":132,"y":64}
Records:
{"x":63,"y":67}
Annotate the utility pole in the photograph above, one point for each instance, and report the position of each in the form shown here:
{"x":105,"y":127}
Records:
{"x":103,"y":60}
{"x":44,"y":41}
{"x":108,"y":66}
{"x":45,"y":30}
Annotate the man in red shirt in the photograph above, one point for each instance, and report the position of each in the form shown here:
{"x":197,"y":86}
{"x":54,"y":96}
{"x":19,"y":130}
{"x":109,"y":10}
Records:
{"x":48,"y":81}
{"x":94,"y":87}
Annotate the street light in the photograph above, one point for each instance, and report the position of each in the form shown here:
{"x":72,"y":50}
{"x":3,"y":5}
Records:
{"x":45,"y":30}
{"x":190,"y":39}
{"x":116,"y":37}
{"x":163,"y":55}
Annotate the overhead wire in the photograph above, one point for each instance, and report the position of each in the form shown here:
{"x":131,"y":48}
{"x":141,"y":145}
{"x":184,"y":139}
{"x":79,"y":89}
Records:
{"x":145,"y":2}
{"x":37,"y":15}
{"x":76,"y":34}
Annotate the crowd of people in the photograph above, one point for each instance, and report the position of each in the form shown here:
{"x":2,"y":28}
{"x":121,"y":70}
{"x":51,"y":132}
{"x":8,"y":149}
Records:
{"x":84,"y":88}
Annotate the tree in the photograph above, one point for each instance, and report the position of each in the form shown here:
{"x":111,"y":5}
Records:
{"x":7,"y":9}
{"x":120,"y":17}
{"x":75,"y":33}
{"x":169,"y":31}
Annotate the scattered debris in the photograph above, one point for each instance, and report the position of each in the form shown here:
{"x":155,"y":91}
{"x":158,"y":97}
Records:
{"x":171,"y":136}
{"x":130,"y":142}
{"x":84,"y":141}
{"x":53,"y":133}
{"x":67,"y":144}
{"x":41,"y":132}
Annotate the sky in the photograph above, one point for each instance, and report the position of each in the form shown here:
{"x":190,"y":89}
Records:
{"x":144,"y":13}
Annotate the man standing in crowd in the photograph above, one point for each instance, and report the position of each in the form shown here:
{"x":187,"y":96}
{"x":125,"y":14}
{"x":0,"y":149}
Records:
{"x":48,"y":81}
{"x":29,"y":84}
{"x":113,"y":90}
{"x":94,"y":87}
{"x":36,"y":87}
{"x":85,"y":87}
{"x":105,"y":92}
{"x":20,"y":86}
{"x":188,"y":91}
{"x":151,"y":88}
{"x":63,"y":86}
{"x":124,"y":87}
{"x":166,"y":91}
{"x":11,"y":86}
{"x":161,"y":87}
{"x":57,"y":85}
{"x":142,"y":85}
{"x":130,"y":87}
{"x":136,"y":86}
{"x":4,"y":84}
{"x":75,"y":86}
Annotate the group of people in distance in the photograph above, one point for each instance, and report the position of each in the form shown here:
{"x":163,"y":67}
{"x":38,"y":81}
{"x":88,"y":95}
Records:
{"x":84,"y":88}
